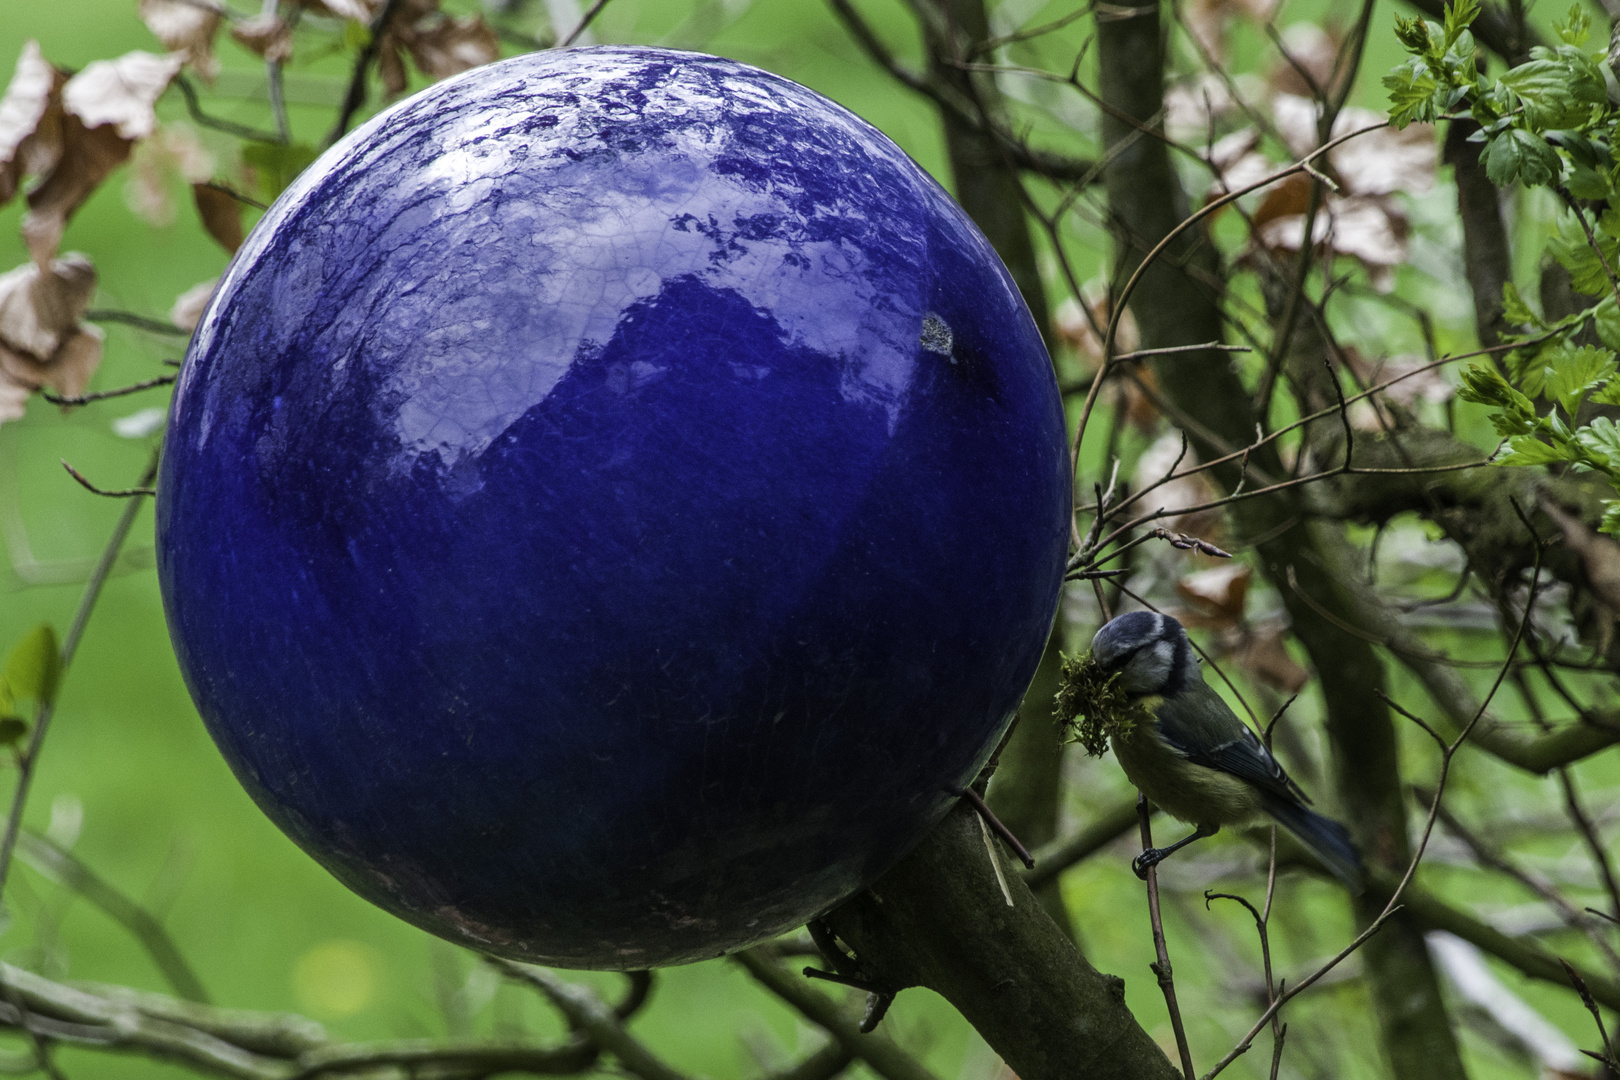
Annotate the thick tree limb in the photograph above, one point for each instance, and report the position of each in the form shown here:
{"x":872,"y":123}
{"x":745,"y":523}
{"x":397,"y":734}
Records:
{"x":1487,"y":260}
{"x":939,"y":919}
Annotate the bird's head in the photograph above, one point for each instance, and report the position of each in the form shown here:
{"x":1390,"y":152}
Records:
{"x":1150,"y":652}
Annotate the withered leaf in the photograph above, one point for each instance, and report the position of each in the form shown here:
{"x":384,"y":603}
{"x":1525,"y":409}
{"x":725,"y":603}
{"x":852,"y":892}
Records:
{"x":88,"y":156}
{"x":221,"y":215}
{"x":122,"y":92}
{"x":1263,"y":654}
{"x":360,"y":10}
{"x":267,"y":34}
{"x":1217,"y":595}
{"x":444,"y":46}
{"x":39,"y":309}
{"x":188,"y":306}
{"x":1385,"y":160}
{"x":1154,"y":465}
{"x":1289,"y":197}
{"x":69,"y":369}
{"x":1311,"y":53}
{"x":188,"y":27}
{"x":174,"y":151}
{"x":13,"y":398}
{"x":30,"y":120}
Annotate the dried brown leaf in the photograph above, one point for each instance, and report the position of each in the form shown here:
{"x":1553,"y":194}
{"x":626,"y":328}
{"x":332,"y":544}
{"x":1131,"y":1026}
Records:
{"x":40,"y":309}
{"x":1263,"y":654}
{"x":443,"y":46}
{"x":69,"y":369}
{"x":1313,"y":51}
{"x":30,"y":120}
{"x":267,"y":34}
{"x":1289,"y":197}
{"x":1081,"y":333}
{"x":88,"y":156}
{"x":188,"y":306}
{"x":1153,"y":466}
{"x":221,"y":215}
{"x":122,"y":92}
{"x":1385,"y":161}
{"x":13,"y":398}
{"x":173,"y":153}
{"x":1217,"y":595}
{"x":188,"y":27}
{"x":360,"y":10}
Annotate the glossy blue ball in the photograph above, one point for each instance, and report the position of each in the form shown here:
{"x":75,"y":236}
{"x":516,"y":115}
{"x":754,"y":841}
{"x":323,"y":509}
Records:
{"x":612,"y":504}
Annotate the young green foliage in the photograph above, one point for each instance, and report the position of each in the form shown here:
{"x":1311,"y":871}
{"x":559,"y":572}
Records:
{"x":1091,"y":706}
{"x":1547,"y":122}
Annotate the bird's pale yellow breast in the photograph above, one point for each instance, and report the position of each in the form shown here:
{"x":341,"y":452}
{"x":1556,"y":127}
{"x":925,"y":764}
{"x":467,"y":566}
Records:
{"x":1192,"y":793}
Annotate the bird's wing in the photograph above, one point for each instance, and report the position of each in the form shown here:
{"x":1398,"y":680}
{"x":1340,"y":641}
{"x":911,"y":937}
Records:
{"x":1202,"y":727}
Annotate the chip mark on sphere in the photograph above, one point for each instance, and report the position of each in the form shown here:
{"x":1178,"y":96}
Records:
{"x":936,"y":336}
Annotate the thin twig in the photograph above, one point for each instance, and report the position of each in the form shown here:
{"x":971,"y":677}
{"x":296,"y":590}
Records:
{"x":140,"y":322}
{"x":229,"y":127}
{"x":356,"y":94}
{"x":29,"y":758}
{"x":119,"y":493}
{"x":1161,"y":965}
{"x":103,"y":395}
{"x":1448,"y":753}
{"x":584,"y":23}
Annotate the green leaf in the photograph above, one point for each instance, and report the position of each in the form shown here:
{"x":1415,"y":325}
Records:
{"x":1528,"y":450}
{"x":1459,"y":16}
{"x":1611,"y":516}
{"x":33,"y":667}
{"x":1515,"y":310}
{"x":12,"y":728}
{"x":1517,"y":155}
{"x":1484,"y":386}
{"x":1576,"y":254}
{"x":1601,"y":439}
{"x":1576,"y":27}
{"x":1585,"y":182}
{"x":1574,"y":371}
{"x":1412,"y":33}
{"x":1412,"y":92}
{"x":1547,"y":90}
{"x":1606,"y":320}
{"x":277,"y":165}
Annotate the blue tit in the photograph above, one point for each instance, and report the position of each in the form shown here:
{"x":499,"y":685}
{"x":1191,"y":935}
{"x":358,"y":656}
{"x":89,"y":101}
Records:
{"x":1196,"y":760}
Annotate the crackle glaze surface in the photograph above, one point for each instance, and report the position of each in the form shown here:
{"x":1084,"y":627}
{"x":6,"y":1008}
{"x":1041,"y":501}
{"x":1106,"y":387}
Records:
{"x":612,"y":500}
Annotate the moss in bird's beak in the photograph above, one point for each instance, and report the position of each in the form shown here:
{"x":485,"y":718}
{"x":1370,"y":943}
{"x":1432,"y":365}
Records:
{"x":1091,"y":705}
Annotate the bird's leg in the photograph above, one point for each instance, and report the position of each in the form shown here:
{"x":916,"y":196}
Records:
{"x":1153,"y":856}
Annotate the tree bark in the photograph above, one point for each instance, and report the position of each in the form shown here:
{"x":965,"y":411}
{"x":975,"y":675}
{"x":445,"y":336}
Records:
{"x":941,"y":919}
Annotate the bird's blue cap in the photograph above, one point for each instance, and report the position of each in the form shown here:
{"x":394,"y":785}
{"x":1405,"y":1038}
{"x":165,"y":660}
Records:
{"x":1149,"y":650}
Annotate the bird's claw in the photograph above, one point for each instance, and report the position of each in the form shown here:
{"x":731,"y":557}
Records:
{"x":1146,"y":861}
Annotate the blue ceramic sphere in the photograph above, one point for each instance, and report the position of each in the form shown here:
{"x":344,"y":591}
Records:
{"x":612,"y":504}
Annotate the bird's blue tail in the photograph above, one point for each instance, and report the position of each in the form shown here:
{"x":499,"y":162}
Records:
{"x":1328,"y":840}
